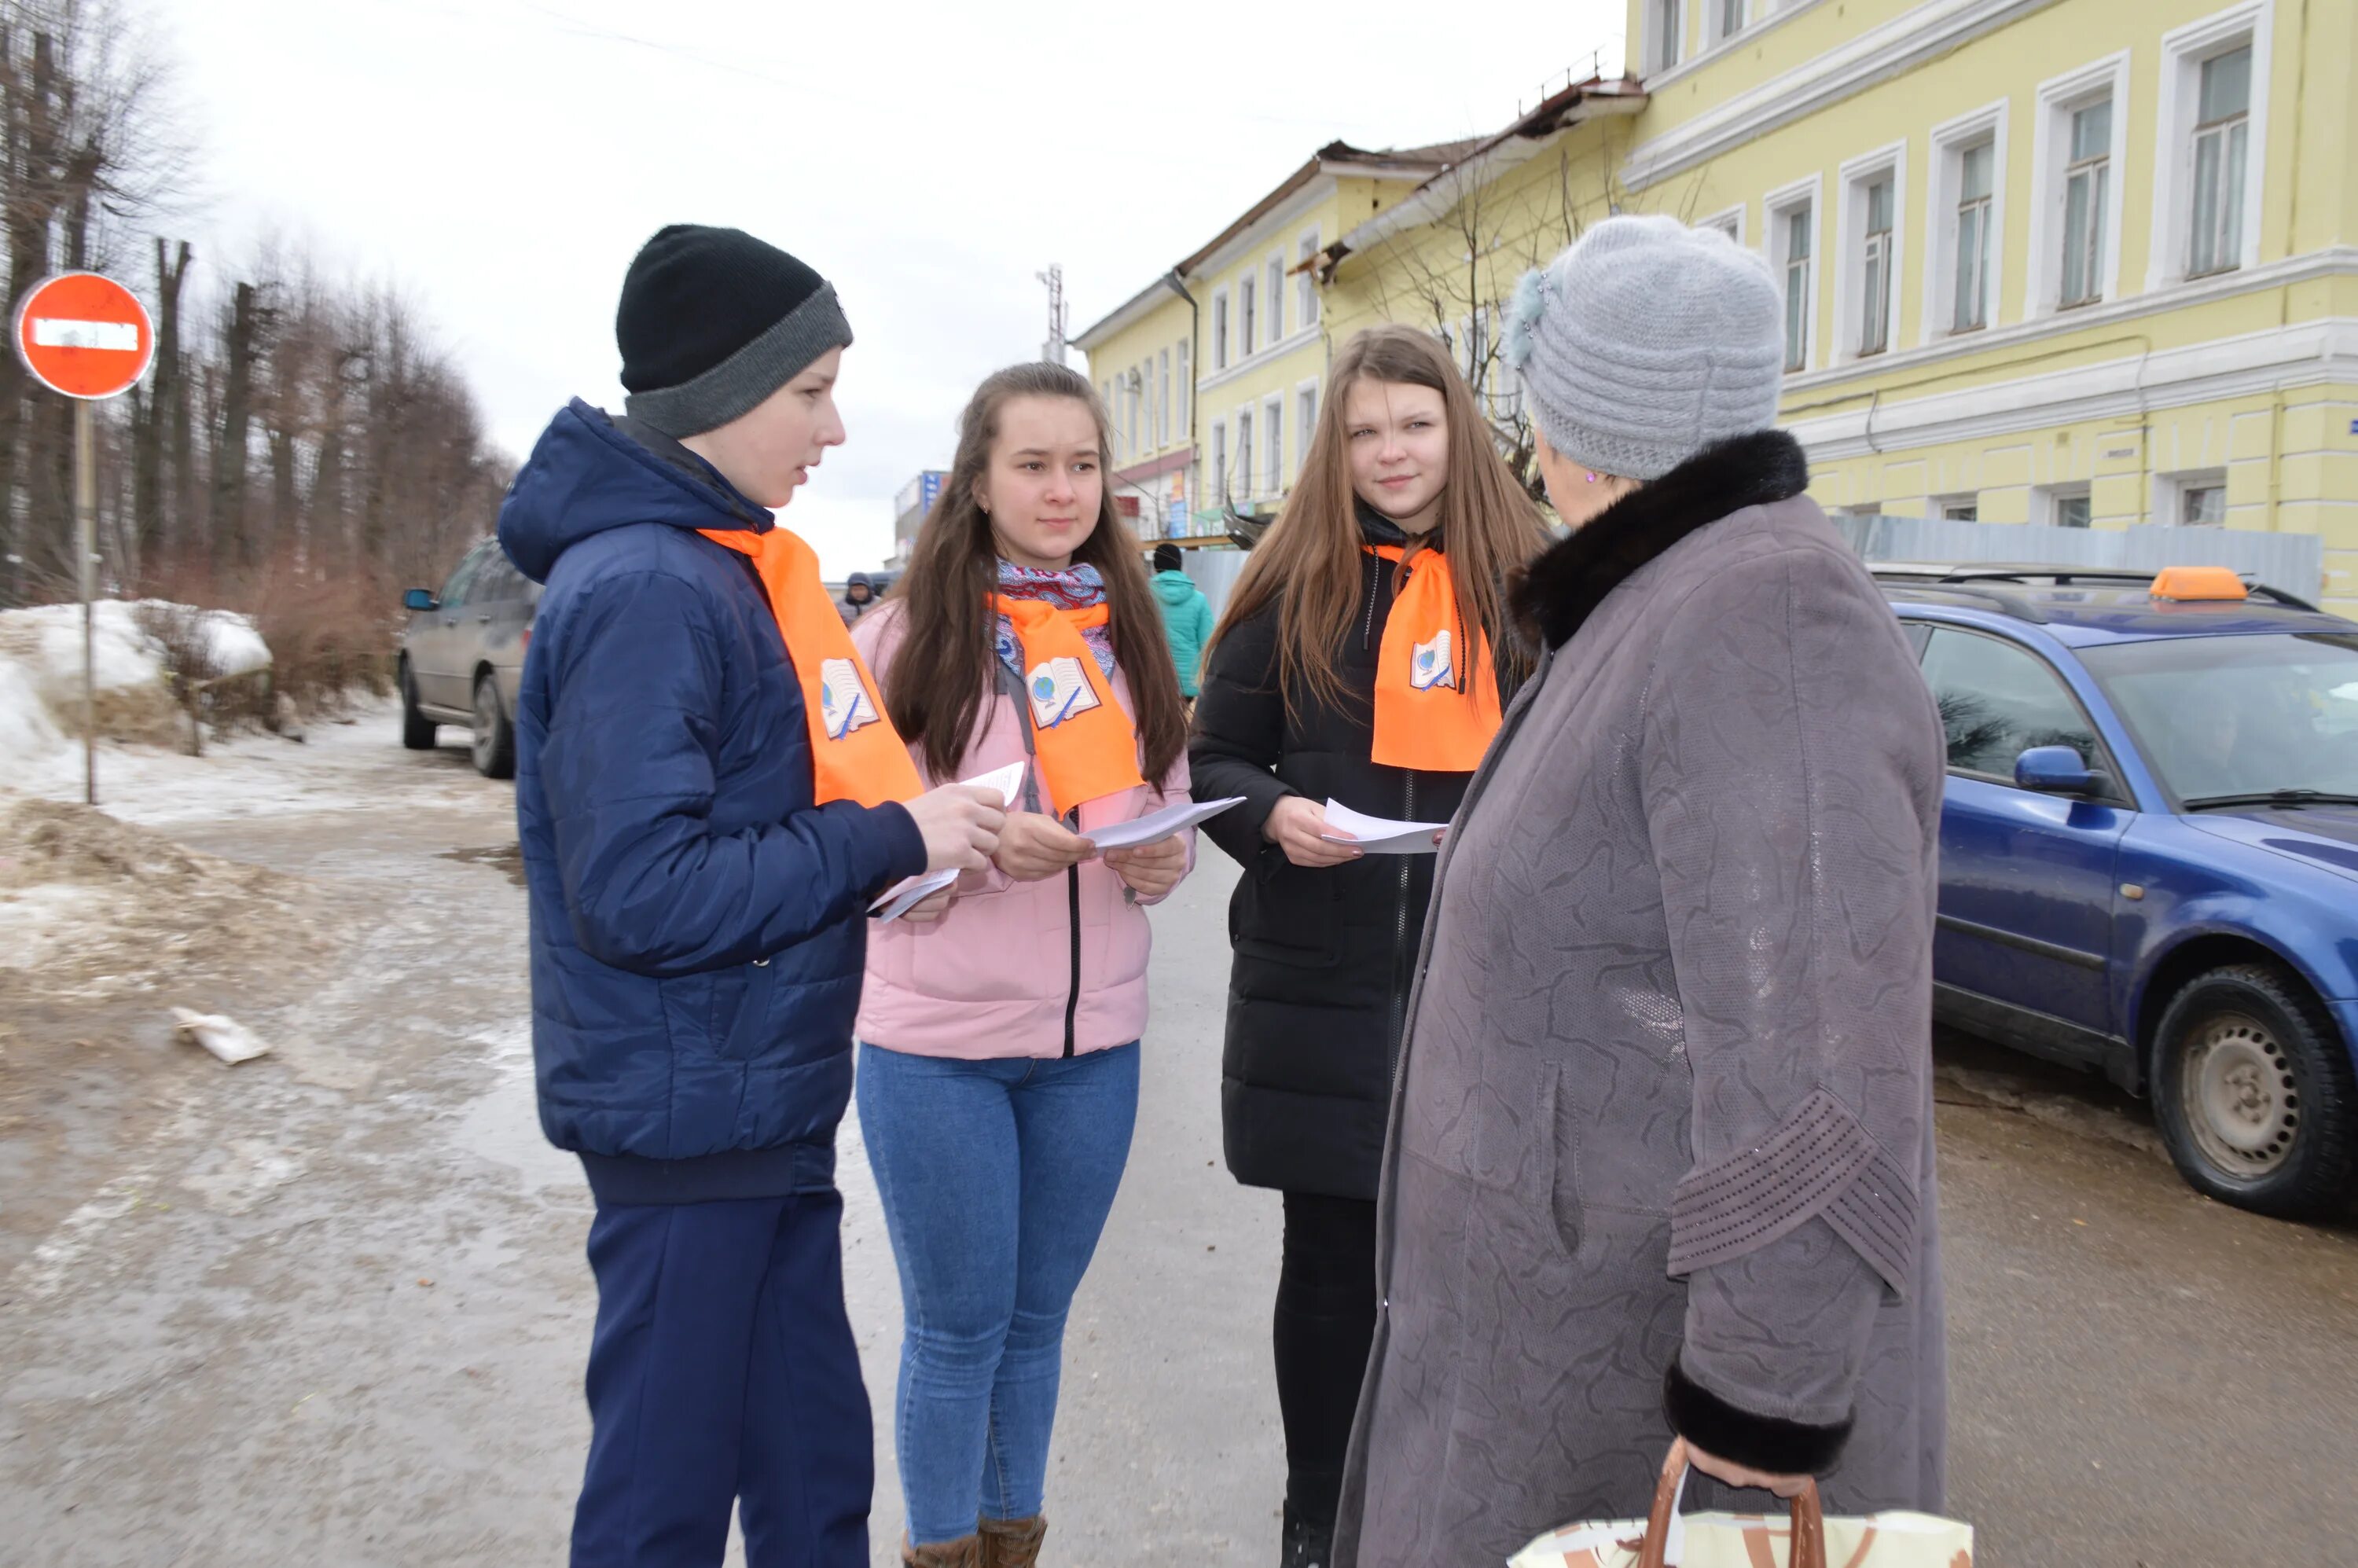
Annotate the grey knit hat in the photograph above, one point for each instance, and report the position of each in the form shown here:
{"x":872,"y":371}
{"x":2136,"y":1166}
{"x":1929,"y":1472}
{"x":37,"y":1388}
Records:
{"x":1646,"y":341}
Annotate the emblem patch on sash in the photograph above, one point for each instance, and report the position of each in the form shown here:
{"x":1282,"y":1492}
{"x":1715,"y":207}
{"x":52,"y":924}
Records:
{"x":843,"y":698}
{"x":1059,"y":690}
{"x":1429,"y":664}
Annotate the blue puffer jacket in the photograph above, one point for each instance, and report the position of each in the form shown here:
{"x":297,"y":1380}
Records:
{"x":697,"y":930}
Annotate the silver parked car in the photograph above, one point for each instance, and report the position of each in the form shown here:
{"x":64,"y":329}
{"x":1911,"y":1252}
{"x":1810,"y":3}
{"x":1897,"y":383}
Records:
{"x":463,"y":655}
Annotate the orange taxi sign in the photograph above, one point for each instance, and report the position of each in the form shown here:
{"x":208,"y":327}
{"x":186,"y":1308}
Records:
{"x":84,"y":335}
{"x":2199,"y":582}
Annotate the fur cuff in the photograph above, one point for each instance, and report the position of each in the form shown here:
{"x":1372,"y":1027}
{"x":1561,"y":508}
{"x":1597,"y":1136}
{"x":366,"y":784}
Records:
{"x":1764,"y":1443}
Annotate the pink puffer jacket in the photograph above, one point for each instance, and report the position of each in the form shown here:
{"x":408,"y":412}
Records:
{"x":1000,"y":975}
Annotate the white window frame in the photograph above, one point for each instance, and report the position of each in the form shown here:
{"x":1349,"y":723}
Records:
{"x":1163,"y":426}
{"x":1248,"y":314}
{"x":2184,"y":50}
{"x":1248,"y":474}
{"x":1776,"y":207}
{"x":1951,"y":141}
{"x":2050,"y":160}
{"x":1184,"y":384}
{"x":1850,"y":225}
{"x":1221,"y":314}
{"x":1665,"y":53}
{"x":2170,"y":491}
{"x":1305,"y":292}
{"x":1305,"y":430}
{"x":2050,"y":499}
{"x":1274,"y":285}
{"x":1220,"y":458}
{"x":1729,"y":221}
{"x":1272,"y":426}
{"x":1716,"y":30}
{"x":1947,"y":506}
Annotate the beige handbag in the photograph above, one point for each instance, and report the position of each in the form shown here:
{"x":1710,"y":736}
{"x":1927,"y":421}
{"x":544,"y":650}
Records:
{"x":1667,"y":1539}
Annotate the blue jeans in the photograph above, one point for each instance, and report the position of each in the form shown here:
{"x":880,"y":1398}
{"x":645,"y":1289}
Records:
{"x":723,"y":1370}
{"x":996,"y":1177}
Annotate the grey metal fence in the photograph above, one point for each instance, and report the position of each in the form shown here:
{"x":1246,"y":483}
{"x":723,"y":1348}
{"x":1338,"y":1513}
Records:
{"x":2293,"y":562}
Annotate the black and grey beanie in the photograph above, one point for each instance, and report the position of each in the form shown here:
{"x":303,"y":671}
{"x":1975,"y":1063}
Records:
{"x":1646,"y":341}
{"x":713,"y":321}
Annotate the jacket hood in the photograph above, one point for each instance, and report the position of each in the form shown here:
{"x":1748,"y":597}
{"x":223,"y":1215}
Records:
{"x":1173,"y":589}
{"x":859,"y":580}
{"x":1557,"y":593}
{"x":590,"y":472}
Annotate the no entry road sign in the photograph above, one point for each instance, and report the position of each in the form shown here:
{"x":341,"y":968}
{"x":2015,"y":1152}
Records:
{"x":84,"y":335}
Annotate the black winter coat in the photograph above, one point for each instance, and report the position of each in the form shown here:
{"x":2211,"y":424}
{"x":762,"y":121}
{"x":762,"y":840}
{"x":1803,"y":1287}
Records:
{"x":1324,"y":957}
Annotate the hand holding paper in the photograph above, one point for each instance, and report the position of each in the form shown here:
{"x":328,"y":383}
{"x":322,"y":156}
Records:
{"x":967,"y":819}
{"x":1381,"y":834}
{"x":1161,"y":824}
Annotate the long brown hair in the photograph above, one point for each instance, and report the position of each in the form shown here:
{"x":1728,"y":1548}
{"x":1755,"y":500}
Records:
{"x":1309,"y":560}
{"x":945,"y":670}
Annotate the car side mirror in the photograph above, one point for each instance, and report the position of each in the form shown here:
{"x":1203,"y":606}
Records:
{"x":420,"y":598}
{"x":2058,"y":769}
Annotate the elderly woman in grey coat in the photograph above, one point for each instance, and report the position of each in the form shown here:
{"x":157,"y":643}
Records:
{"x":1661,"y":1156}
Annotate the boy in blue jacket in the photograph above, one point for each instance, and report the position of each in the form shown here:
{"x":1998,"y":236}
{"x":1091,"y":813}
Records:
{"x":698,"y":916}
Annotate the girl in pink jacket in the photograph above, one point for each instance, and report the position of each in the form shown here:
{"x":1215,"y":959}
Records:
{"x":999,"y":1027}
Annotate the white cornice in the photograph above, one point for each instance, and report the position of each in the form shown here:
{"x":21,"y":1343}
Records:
{"x":1238,"y":370}
{"x":2306,"y":353}
{"x":1879,"y":54}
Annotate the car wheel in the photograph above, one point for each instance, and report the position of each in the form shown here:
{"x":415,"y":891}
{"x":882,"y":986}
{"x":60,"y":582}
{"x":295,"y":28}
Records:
{"x":418,"y":731}
{"x":2254,"y":1093}
{"x":494,"y":736}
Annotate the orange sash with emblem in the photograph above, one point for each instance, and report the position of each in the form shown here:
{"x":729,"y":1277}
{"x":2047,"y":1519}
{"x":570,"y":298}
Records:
{"x":1086,"y":744}
{"x":1437,"y":689}
{"x":856,"y":755}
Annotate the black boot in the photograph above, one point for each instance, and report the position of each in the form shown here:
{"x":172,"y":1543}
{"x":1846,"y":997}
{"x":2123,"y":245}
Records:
{"x":1307,"y":1545}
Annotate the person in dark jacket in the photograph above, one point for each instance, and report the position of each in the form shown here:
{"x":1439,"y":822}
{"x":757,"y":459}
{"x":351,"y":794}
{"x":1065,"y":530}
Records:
{"x":1187,"y":616}
{"x":1362,"y":659}
{"x":858,"y":597}
{"x":700,"y":849}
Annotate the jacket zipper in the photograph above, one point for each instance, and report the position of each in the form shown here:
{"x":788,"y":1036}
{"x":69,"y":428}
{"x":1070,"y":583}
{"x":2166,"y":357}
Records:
{"x":1375,"y":586}
{"x":1400,"y":935}
{"x":1073,"y":901}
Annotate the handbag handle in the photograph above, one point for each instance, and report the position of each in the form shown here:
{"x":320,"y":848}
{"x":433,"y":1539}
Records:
{"x":1809,"y":1517}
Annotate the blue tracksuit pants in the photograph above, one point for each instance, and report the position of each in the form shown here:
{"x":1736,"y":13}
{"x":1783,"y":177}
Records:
{"x":723,"y":1370}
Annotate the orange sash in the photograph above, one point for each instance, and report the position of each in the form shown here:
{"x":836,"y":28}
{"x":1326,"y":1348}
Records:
{"x":1428,"y":715}
{"x":1086,"y":745}
{"x":856,"y":755}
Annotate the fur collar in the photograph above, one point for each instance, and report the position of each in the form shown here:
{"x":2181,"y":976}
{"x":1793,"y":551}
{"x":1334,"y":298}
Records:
{"x":1557,"y":593}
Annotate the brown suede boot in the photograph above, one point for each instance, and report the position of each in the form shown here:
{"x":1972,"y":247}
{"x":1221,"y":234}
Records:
{"x":965,"y":1551}
{"x":1012,"y":1543}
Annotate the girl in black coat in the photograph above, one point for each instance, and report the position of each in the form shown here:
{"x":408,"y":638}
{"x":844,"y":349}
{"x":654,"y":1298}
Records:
{"x":1362,"y":659}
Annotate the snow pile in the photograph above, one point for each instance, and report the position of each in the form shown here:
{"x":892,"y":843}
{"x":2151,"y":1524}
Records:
{"x":41,"y":672}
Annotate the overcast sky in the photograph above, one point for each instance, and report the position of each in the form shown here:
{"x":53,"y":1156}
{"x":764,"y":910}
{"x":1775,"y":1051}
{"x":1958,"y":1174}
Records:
{"x":501,"y":159}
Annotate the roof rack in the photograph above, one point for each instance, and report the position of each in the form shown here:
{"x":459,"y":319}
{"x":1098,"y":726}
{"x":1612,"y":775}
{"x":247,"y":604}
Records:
{"x":1979,"y":573}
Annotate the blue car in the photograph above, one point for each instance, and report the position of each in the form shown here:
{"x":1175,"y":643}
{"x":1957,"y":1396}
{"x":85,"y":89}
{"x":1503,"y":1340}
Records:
{"x":2149,"y":852}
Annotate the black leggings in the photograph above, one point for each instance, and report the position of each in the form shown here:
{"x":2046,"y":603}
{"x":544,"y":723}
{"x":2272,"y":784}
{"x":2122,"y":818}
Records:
{"x":1325,"y":1322}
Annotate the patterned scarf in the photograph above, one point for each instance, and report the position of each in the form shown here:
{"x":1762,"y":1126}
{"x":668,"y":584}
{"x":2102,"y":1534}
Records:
{"x":1076,"y":588}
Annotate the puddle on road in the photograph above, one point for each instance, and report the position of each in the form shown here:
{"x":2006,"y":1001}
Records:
{"x":503,"y":1125}
{"x":508,"y":858}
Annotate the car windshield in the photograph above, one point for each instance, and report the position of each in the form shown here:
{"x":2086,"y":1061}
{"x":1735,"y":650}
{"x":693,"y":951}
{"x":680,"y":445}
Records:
{"x":2237,"y":716}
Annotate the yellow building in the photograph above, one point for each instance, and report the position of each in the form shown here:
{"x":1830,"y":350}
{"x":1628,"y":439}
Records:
{"x":1213,"y":371}
{"x":2087,"y":263}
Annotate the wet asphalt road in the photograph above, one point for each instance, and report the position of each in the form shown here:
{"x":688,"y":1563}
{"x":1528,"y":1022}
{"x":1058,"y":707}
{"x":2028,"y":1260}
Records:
{"x":329,"y":1307}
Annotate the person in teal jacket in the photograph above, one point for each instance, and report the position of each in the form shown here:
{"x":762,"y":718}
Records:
{"x":1186,"y":615}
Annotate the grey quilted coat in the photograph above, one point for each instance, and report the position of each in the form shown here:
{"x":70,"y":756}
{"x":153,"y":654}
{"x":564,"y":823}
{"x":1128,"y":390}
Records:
{"x":1661,"y":1153}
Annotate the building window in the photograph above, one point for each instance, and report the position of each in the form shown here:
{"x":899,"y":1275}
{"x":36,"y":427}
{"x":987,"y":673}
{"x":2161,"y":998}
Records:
{"x":1305,"y":284}
{"x":1184,"y":415}
{"x":1974,"y":169}
{"x":1272,"y":424}
{"x":1136,"y":437}
{"x":1244,"y":452}
{"x":1247,"y":316}
{"x":1725,"y":19}
{"x":1276,"y":300}
{"x":1220,"y":330}
{"x":1669,"y":21}
{"x":2087,"y":190}
{"x":1163,"y":424}
{"x":1220,"y":456}
{"x":1305,"y":427}
{"x":2203,"y":504}
{"x":2067,"y":506}
{"x":1875,"y":270}
{"x":1792,"y":252}
{"x":1730,"y":222}
{"x":2222,"y":143}
{"x":1957,"y":508}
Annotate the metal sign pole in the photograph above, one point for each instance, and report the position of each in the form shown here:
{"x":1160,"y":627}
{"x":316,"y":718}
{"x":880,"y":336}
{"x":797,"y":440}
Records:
{"x":86,"y":558}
